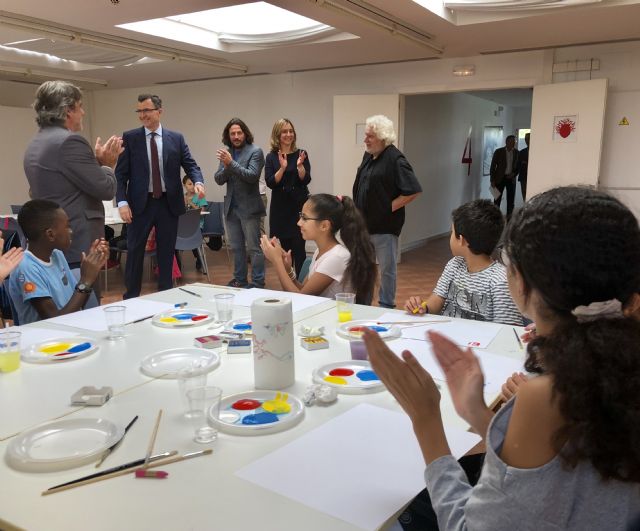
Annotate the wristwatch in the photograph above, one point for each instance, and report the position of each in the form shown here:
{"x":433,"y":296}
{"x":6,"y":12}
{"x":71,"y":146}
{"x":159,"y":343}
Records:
{"x":83,"y":288}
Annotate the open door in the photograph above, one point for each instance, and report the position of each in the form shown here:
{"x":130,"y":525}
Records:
{"x":567,"y":123}
{"x":349,"y":115}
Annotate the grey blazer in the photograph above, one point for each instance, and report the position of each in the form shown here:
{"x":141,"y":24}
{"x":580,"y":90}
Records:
{"x":62,"y":167}
{"x":242,"y":177}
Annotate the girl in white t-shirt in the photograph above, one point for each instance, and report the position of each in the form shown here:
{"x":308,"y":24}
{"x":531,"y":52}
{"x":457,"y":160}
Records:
{"x":335,"y":267}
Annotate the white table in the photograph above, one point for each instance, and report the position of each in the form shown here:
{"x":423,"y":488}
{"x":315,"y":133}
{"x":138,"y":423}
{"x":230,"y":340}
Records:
{"x":200,"y":494}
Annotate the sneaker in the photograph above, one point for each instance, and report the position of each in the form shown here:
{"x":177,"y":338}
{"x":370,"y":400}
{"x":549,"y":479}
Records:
{"x":252,"y":285}
{"x":235,"y":284}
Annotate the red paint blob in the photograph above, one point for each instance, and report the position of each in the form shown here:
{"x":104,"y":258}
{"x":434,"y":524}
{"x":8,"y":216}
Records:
{"x":198,"y":317}
{"x":245,"y":404}
{"x":341,"y":372}
{"x":357,"y":329}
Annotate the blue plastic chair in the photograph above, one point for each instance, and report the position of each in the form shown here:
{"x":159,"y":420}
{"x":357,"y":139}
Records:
{"x":190,"y":236}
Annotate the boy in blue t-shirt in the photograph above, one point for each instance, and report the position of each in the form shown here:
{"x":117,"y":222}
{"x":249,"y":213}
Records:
{"x":42,"y":286}
{"x":192,"y":200}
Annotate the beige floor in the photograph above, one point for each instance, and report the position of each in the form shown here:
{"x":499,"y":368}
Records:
{"x":417,"y":274}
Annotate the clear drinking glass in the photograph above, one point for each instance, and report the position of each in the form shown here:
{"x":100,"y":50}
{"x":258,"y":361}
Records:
{"x":224,"y":306}
{"x":9,"y":351}
{"x":204,"y":401}
{"x":344,"y":304}
{"x":190,"y":377}
{"x":115,"y":317}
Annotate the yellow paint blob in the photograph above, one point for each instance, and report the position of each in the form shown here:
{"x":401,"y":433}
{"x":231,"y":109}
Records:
{"x":55,"y":348}
{"x":168,"y":320}
{"x":344,"y":317}
{"x":335,"y":380}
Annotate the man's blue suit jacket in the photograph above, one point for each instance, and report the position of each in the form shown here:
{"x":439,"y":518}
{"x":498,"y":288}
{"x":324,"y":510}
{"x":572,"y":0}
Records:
{"x":133,"y":172}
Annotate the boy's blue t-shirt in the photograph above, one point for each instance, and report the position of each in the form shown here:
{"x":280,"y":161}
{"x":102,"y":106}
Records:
{"x":34,"y":278}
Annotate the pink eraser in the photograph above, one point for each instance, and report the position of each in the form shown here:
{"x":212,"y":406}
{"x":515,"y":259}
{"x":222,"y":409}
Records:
{"x":156,"y":474}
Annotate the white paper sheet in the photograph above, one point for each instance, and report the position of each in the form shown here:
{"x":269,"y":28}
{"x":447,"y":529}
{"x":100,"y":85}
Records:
{"x":466,"y":333}
{"x":360,"y":467}
{"x":31,"y":335}
{"x":298,"y":301}
{"x":496,"y":368}
{"x":93,"y":319}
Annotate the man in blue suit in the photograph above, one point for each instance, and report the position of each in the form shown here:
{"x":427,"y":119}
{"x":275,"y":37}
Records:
{"x":240,"y":167}
{"x":149,"y":191}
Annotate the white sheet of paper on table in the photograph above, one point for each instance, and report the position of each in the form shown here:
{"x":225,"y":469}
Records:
{"x":32,"y":335}
{"x":299,"y":301}
{"x":340,"y":468}
{"x":93,"y":318}
{"x":463,"y":333}
{"x":496,"y":368}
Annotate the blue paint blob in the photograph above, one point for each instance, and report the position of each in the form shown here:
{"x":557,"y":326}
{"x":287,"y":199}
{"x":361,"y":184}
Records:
{"x":377,"y":328}
{"x":242,"y":326}
{"x":80,"y":348}
{"x":367,"y":376}
{"x":183,"y":316}
{"x":260,"y":418}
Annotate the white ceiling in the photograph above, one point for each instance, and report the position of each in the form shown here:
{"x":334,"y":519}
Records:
{"x":468,"y":35}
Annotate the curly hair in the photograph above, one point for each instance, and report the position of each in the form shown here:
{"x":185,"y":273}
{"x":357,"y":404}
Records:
{"x":575,"y":246}
{"x":344,"y":216}
{"x":275,"y":135}
{"x":226,"y":139}
{"x":481,"y":223}
{"x":382,"y":127}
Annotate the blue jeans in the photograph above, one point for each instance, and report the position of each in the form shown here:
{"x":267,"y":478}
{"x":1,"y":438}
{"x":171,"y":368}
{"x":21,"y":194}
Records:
{"x":241,"y":231}
{"x":386,"y":246}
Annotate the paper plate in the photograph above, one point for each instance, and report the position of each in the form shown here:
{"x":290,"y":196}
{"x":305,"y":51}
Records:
{"x":62,"y":444}
{"x":183,"y":318}
{"x":168,"y":363}
{"x":59,"y":350}
{"x":350,"y":377}
{"x":258,"y":413}
{"x":352,"y":330}
{"x":242,"y":325}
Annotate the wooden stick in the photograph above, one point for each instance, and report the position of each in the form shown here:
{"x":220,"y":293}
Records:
{"x":152,"y":441}
{"x":413,"y":323}
{"x":162,"y":462}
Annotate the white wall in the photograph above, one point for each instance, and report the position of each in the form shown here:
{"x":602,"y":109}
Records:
{"x":436,"y":128}
{"x":18,"y":128}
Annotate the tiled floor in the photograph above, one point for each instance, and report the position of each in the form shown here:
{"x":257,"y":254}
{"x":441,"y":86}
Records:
{"x":417,"y":274}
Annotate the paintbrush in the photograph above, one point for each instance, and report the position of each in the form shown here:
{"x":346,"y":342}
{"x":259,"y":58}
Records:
{"x":142,"y":471}
{"x":104,"y":475}
{"x":190,"y":292}
{"x":413,"y":323}
{"x":126,"y":466}
{"x":111,"y":449}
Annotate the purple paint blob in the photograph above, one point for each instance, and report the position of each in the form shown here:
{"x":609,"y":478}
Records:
{"x":260,"y":418}
{"x":367,"y":376}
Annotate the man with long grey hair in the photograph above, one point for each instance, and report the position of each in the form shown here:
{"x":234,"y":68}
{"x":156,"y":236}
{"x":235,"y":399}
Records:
{"x":384,"y":184}
{"x":61,"y":166}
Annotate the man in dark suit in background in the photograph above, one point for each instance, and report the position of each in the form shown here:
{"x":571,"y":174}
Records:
{"x":523,"y":167}
{"x":504,"y":168}
{"x":240,"y":168}
{"x":150,"y":191}
{"x":61,"y":166}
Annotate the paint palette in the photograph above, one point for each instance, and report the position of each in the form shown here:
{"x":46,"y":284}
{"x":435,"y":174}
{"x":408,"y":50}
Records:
{"x":350,"y":377}
{"x":168,"y":363}
{"x":183,"y":318}
{"x":59,"y":350}
{"x":258,"y":413}
{"x":241,"y":325}
{"x":352,"y":330}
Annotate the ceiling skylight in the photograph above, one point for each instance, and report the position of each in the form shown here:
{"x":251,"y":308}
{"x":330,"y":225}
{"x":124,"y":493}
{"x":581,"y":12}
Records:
{"x":239,"y":28}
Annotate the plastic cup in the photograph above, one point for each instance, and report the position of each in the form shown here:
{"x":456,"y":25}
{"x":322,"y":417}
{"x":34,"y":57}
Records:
{"x":344,"y":303}
{"x":115,"y":316}
{"x":190,"y":378}
{"x":9,"y":351}
{"x":358,"y":350}
{"x":202,"y":402}
{"x":224,"y":306}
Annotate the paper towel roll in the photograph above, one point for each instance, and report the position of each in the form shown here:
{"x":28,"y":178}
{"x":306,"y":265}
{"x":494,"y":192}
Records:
{"x":272,"y":327}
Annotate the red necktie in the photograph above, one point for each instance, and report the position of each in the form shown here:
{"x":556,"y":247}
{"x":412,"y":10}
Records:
{"x":155,"y":168}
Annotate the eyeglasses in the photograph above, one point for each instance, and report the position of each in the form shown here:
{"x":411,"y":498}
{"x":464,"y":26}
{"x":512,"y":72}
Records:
{"x":145,"y":111}
{"x":302,"y":216}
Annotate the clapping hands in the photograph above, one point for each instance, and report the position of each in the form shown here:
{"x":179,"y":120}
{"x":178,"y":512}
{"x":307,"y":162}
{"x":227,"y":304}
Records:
{"x":9,"y":260}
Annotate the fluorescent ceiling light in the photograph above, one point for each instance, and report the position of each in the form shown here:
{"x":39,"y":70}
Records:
{"x":256,"y":24}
